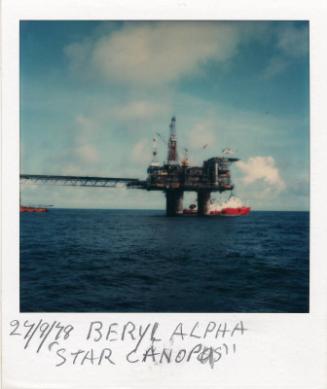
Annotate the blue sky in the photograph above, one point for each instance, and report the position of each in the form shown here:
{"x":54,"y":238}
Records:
{"x":93,"y":94}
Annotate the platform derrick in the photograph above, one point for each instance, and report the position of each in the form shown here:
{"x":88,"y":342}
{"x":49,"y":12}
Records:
{"x":174,"y":177}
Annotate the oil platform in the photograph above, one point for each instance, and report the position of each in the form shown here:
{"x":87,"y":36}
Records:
{"x":174,"y":177}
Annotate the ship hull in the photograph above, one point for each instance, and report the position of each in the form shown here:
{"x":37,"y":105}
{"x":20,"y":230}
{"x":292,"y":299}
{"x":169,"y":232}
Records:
{"x":33,"y":209}
{"x":240,"y":211}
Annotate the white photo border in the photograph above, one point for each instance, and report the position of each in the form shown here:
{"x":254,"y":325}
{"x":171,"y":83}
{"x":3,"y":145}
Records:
{"x":280,"y":350}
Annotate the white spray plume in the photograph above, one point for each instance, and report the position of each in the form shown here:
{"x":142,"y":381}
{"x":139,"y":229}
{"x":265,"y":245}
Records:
{"x":232,"y":202}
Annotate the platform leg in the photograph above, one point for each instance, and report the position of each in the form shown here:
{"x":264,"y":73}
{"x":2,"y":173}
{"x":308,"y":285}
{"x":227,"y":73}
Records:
{"x":174,"y":202}
{"x":203,"y":202}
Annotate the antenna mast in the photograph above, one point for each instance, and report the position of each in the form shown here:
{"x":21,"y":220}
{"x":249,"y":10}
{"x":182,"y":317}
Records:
{"x":155,"y":161}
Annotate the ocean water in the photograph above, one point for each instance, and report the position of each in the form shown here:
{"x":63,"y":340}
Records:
{"x":75,"y":260}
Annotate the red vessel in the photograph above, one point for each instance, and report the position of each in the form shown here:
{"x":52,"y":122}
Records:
{"x":32,"y":209}
{"x":240,"y":211}
{"x":229,"y":211}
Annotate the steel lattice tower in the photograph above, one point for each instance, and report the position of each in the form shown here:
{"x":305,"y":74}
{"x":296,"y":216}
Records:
{"x":172,"y":158}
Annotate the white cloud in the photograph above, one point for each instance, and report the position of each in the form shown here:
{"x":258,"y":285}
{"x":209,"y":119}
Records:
{"x":84,"y":122}
{"x":141,"y":152}
{"x":139,"y":110}
{"x":276,"y":66}
{"x":79,"y":53}
{"x":156,"y":53}
{"x":86,"y":127}
{"x":87,"y":153}
{"x":261,"y":169}
{"x":83,"y":148}
{"x":201,"y":134}
{"x":293,"y":42}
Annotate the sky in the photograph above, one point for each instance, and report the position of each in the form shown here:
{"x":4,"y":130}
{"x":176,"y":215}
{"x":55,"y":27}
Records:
{"x":94,"y":94}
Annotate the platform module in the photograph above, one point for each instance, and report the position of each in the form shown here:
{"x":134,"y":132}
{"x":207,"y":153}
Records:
{"x":176,"y":177}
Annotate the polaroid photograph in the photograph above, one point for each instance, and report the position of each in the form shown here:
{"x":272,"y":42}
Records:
{"x":207,"y":211}
{"x":163,"y":195}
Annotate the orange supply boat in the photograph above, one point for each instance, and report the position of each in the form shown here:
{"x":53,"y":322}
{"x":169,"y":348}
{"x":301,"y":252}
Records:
{"x":32,"y":209}
{"x":239,"y":211}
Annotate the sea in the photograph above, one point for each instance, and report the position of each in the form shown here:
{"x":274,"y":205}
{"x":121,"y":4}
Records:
{"x":87,"y":260}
